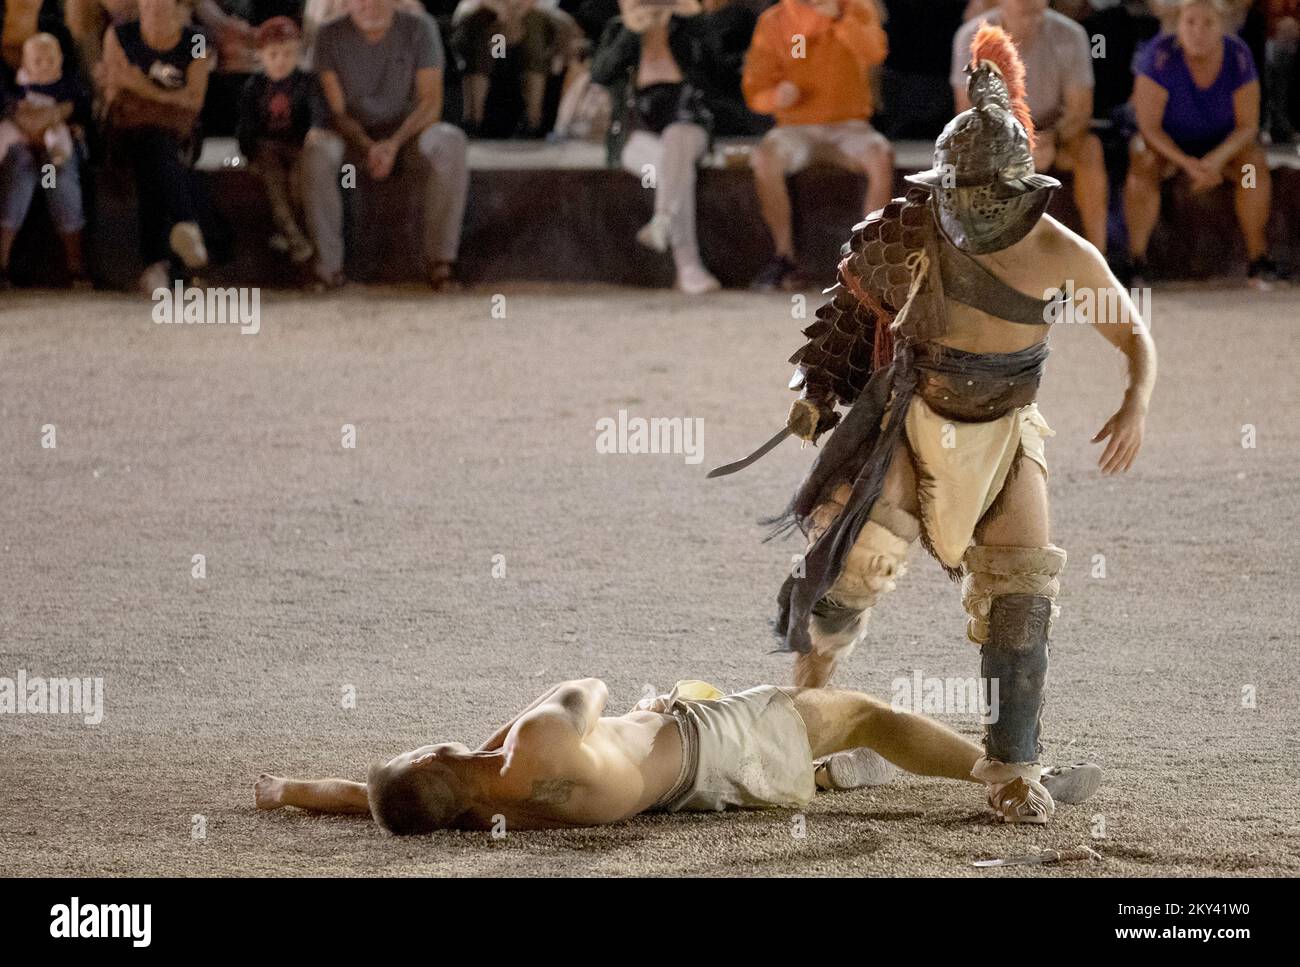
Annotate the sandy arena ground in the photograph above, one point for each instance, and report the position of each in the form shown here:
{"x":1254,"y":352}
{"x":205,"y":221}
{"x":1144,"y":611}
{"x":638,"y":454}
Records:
{"x":371,"y":570}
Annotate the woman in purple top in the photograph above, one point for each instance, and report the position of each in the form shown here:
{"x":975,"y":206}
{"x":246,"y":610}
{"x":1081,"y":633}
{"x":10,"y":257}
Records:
{"x":1196,"y":98}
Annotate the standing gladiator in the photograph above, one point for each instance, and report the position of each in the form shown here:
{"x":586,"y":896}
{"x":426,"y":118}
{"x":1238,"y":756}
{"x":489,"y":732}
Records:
{"x":935,"y":338}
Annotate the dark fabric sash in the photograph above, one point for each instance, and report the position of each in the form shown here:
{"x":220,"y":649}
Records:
{"x":969,"y":282}
{"x":860,"y":450}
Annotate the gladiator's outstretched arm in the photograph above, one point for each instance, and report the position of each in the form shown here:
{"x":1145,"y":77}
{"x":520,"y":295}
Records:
{"x":1120,"y":323}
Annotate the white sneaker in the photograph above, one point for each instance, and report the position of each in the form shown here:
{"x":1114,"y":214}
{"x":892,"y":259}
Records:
{"x":696,"y":280}
{"x":1073,"y":783}
{"x":856,"y":769}
{"x":187,"y":242}
{"x":654,"y":234}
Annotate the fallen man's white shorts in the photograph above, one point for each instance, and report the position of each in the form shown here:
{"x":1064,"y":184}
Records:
{"x":748,"y":750}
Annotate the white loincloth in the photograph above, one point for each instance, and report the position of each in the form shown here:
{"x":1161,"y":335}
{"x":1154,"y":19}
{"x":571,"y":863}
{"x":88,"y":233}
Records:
{"x":967,"y":464}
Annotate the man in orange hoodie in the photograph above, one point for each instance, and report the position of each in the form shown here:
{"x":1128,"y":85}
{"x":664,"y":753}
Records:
{"x":809,"y":65}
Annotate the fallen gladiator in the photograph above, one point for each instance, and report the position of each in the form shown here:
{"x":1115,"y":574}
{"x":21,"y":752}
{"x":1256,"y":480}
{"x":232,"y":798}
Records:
{"x":563,"y":763}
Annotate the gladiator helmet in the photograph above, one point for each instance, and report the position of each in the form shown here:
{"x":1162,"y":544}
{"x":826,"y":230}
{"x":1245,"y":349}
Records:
{"x":984,"y":190}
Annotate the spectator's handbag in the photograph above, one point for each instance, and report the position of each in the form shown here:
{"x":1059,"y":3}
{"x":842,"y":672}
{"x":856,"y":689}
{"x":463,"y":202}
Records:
{"x":130,"y":111}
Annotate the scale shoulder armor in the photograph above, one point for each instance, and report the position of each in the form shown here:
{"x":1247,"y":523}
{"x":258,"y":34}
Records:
{"x":854,"y":328}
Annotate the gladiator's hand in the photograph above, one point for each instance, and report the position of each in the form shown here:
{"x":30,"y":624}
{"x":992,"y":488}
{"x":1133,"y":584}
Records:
{"x":1125,"y":430}
{"x":807,"y":420}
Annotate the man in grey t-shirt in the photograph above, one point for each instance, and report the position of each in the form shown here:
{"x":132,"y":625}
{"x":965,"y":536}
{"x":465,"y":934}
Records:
{"x":1058,"y":83}
{"x":381,"y":71}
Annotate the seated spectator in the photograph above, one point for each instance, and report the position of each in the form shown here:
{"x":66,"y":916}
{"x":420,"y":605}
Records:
{"x":276,"y":110}
{"x":1197,"y":104}
{"x":484,"y":32}
{"x":809,"y":65}
{"x":1059,"y":89}
{"x":380,"y":69}
{"x":154,"y":85}
{"x":916,"y":101}
{"x":37,"y":110}
{"x":654,"y":61}
{"x":1281,"y":77}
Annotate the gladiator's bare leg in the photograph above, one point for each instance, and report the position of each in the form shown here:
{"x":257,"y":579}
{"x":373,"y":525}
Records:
{"x":839,"y":619}
{"x":317,"y":795}
{"x":839,"y":719}
{"x":1022,"y":519}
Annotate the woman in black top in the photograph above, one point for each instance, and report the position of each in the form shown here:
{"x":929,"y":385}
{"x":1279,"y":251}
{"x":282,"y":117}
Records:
{"x":156,"y":75}
{"x":655,"y":62}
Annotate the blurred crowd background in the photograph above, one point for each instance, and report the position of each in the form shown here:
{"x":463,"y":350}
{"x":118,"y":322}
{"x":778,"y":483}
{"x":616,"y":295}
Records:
{"x":324,"y":96}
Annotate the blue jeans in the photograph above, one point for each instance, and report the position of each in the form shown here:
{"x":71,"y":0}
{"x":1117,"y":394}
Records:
{"x":21,"y":172}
